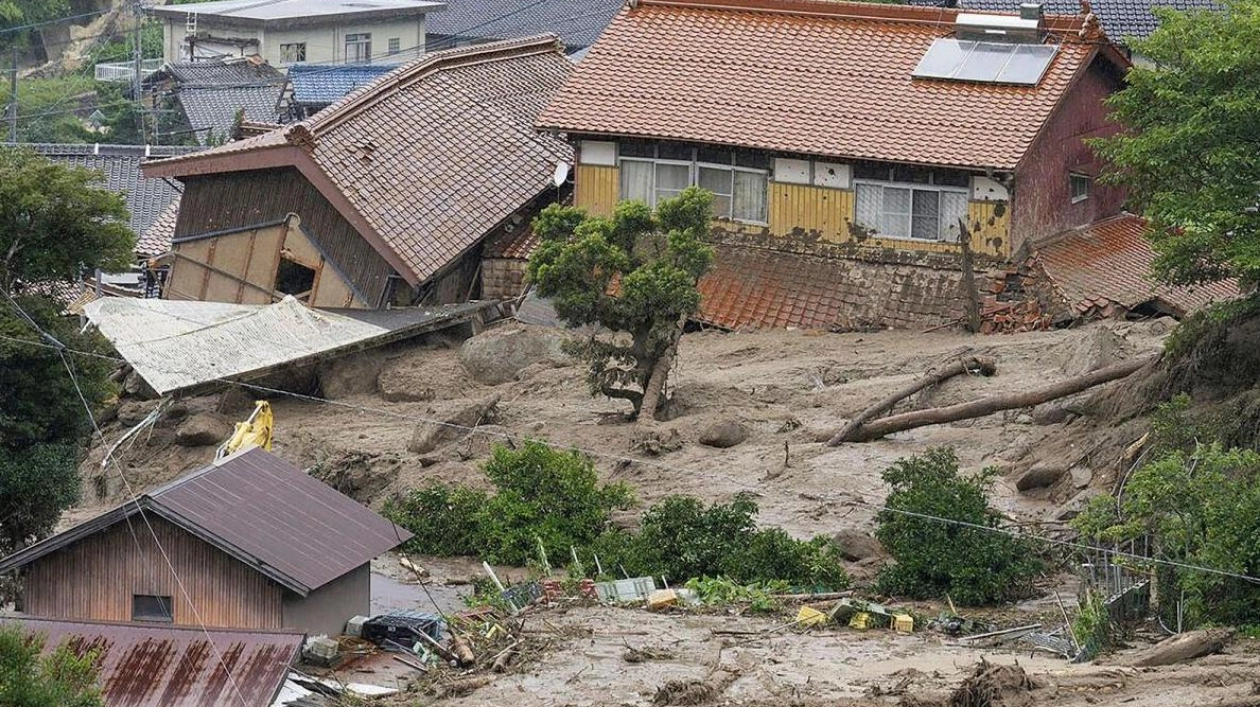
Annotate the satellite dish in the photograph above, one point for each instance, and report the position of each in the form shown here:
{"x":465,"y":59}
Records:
{"x":562,"y":173}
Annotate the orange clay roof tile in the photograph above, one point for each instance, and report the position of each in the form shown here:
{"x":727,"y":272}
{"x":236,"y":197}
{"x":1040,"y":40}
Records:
{"x":809,"y":76}
{"x":1110,"y":261}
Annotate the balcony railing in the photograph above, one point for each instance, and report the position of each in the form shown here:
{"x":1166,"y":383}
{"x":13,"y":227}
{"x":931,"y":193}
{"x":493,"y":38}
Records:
{"x":126,"y":70}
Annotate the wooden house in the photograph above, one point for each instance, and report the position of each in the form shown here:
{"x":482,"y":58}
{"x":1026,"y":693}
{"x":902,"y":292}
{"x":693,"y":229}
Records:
{"x":250,"y":541}
{"x":385,"y":197}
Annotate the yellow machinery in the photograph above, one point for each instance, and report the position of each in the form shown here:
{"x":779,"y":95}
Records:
{"x":253,"y":432}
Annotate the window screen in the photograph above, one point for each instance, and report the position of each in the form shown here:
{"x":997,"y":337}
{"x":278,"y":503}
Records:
{"x":149,"y":607}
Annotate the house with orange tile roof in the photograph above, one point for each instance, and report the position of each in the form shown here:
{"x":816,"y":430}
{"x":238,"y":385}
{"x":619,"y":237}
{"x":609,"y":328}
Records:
{"x":887,"y":136}
{"x":384,"y":198}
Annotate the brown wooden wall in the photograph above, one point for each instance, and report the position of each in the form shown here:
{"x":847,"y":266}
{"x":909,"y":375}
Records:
{"x":96,"y":577}
{"x":229,"y":202}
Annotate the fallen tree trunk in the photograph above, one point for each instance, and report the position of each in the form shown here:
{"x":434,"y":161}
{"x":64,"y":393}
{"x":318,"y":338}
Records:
{"x":995,"y":403}
{"x":973,"y":365}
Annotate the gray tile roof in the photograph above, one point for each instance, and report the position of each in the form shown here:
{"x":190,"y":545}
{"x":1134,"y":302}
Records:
{"x":315,"y":85}
{"x":1120,"y":19}
{"x":222,"y":72}
{"x":577,"y":22}
{"x":146,"y":198}
{"x":212,"y":111}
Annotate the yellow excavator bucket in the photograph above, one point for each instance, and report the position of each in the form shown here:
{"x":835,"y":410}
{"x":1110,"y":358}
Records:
{"x":253,"y":432}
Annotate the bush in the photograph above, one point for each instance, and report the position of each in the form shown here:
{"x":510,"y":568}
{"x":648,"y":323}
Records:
{"x":62,"y":678}
{"x":541,"y":495}
{"x":972,"y":565}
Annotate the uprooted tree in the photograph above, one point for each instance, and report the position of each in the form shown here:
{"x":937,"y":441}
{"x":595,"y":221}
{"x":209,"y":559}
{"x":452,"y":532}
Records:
{"x":634,"y":274}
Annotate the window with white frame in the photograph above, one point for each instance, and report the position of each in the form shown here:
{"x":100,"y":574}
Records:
{"x":395,"y":45}
{"x":359,"y":48}
{"x":292,"y":53}
{"x":1079,"y":186}
{"x":739,"y":181}
{"x":902,"y":202}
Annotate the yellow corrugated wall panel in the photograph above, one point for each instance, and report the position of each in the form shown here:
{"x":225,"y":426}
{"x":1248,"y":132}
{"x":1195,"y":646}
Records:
{"x":802,"y":209}
{"x":596,"y":189}
{"x":990,"y":223}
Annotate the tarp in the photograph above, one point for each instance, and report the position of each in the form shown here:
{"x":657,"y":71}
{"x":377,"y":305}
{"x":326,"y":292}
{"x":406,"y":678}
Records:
{"x":175,"y":345}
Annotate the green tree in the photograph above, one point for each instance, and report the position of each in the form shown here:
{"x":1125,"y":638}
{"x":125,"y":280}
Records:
{"x":938,"y":526}
{"x":20,"y":13}
{"x":28,"y":678}
{"x":56,"y":222}
{"x":1189,"y":154}
{"x":634,"y":274}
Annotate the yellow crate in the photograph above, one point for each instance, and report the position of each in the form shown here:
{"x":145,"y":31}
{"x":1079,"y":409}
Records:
{"x":860,"y":621}
{"x":903,"y":623}
{"x":809,"y":616}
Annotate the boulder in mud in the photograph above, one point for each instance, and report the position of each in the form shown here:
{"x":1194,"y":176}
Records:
{"x":855,"y":546}
{"x":499,"y":354}
{"x":1040,"y":475}
{"x":134,"y":386}
{"x":723,"y":434}
{"x":428,"y":436}
{"x":354,"y":374}
{"x":203,"y":429}
{"x":1099,"y":348}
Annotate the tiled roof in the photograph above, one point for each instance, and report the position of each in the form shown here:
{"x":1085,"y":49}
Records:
{"x":261,"y":509}
{"x":210,"y":73}
{"x":215,"y":108}
{"x":156,"y":239}
{"x":146,"y":198}
{"x":436,"y":153}
{"x":516,"y":245}
{"x":1120,"y":19}
{"x":1110,"y":261}
{"x":577,"y":22}
{"x":323,"y":85}
{"x":175,"y":666}
{"x":809,"y":76}
{"x":754,"y":288}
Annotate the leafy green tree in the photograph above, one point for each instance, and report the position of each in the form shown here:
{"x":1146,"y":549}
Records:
{"x":938,"y":526}
{"x":62,"y":678}
{"x":57,"y":222}
{"x":20,"y":13}
{"x":635,"y":274}
{"x":1188,"y":155}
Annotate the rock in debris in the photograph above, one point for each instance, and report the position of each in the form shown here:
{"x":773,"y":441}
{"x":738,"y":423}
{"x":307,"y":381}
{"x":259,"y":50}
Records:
{"x":499,"y":354}
{"x":429,"y":436}
{"x":353,"y":374}
{"x":855,"y":546}
{"x":1041,"y":475}
{"x":133,"y":412}
{"x":404,"y":385}
{"x":203,"y":428}
{"x":723,"y":434}
{"x":1179,"y":649}
{"x":134,"y":386}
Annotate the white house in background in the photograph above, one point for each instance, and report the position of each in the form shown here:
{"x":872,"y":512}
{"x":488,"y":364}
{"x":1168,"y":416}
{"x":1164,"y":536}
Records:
{"x":296,"y":31}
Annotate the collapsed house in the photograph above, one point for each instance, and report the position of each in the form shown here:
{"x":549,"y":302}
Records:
{"x":383,"y":199}
{"x":249,"y":542}
{"x":863,"y":144}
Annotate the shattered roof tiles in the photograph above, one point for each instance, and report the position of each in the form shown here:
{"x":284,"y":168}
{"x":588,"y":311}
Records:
{"x":169,"y":666}
{"x":1110,"y":261}
{"x":211,"y":112}
{"x":813,"y":77}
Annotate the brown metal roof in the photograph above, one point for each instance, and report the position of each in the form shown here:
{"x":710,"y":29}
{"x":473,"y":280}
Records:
{"x":170,"y":666}
{"x":262,"y":510}
{"x":427,"y":159}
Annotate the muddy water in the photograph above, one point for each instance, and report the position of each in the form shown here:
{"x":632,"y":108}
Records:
{"x":390,"y":594}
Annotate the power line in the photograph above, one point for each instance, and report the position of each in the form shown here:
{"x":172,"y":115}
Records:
{"x":56,"y":21}
{"x":666,"y":467}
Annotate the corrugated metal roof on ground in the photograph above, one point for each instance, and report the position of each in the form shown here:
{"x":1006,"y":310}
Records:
{"x":261,"y":509}
{"x":817,"y":77}
{"x":167,"y":666}
{"x":175,"y":345}
{"x":1110,"y":261}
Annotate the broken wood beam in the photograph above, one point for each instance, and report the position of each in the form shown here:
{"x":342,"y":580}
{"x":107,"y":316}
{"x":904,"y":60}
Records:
{"x":995,"y":403}
{"x":972,"y":365}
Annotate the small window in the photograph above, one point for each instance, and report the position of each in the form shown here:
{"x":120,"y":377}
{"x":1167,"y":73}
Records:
{"x":395,"y":45}
{"x":149,"y":607}
{"x":293,"y":278}
{"x":292,"y":53}
{"x":359,"y":48}
{"x":1079,"y":184}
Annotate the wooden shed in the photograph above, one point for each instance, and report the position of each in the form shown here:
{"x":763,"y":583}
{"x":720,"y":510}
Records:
{"x":250,"y":541}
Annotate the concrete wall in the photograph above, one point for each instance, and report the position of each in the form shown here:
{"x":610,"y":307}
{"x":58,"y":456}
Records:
{"x":326,"y":610}
{"x":324,"y":45}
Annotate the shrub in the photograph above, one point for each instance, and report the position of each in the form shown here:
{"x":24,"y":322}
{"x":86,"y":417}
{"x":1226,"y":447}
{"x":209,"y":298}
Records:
{"x":541,"y":494}
{"x":61,"y":678}
{"x":974,"y":566}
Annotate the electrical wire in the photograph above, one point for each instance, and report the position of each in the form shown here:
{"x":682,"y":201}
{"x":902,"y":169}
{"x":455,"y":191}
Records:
{"x":666,"y":467}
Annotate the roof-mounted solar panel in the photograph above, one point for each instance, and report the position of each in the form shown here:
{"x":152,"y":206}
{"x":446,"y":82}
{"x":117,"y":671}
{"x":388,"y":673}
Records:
{"x":986,"y":62}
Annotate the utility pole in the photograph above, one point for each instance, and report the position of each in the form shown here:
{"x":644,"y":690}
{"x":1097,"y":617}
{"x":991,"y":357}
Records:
{"x":13,"y":99}
{"x":137,"y":16}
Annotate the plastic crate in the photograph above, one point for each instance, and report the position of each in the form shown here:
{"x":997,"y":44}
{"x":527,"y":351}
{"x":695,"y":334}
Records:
{"x":626,"y":590}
